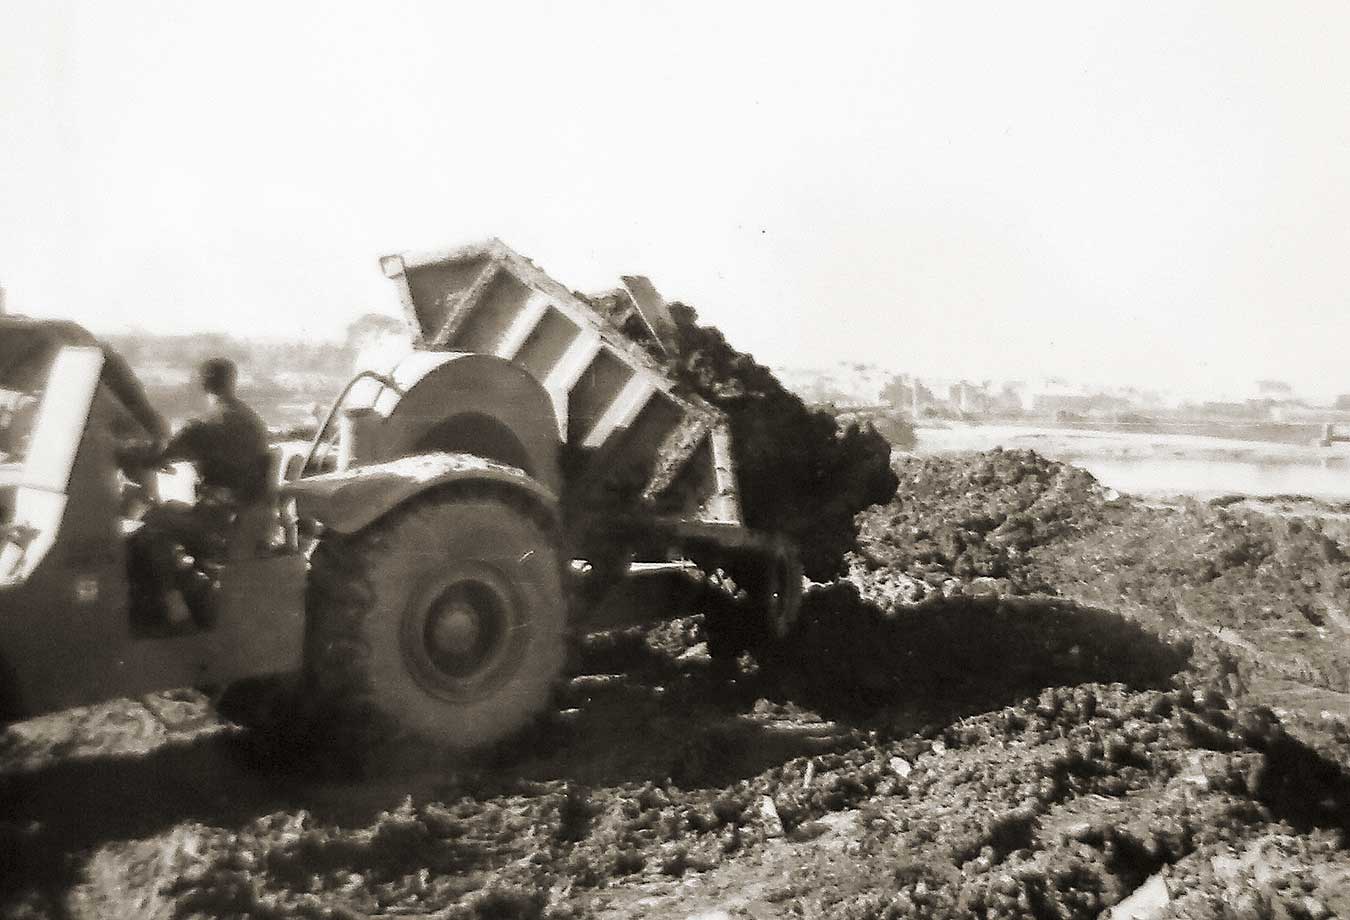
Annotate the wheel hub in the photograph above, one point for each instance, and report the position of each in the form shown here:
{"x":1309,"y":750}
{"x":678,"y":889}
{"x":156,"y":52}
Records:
{"x":463,"y":636}
{"x":465,"y":629}
{"x":454,"y":630}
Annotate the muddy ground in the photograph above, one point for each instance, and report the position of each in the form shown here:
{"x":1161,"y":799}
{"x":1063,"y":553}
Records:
{"x":1030,"y":697}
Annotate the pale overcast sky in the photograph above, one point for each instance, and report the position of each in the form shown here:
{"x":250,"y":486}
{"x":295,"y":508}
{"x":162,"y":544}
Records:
{"x":1122,"y":192}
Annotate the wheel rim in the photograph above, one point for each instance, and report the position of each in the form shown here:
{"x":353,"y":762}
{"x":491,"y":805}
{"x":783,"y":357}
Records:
{"x":463,"y":635}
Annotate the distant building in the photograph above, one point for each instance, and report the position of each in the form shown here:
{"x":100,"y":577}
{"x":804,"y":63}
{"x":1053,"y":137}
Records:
{"x":173,"y":375}
{"x":969,"y":398}
{"x":1080,"y":403}
{"x":1055,"y":403}
{"x":908,"y":393}
{"x":1013,"y":397}
{"x":1274,"y":389}
{"x":1249,"y":410}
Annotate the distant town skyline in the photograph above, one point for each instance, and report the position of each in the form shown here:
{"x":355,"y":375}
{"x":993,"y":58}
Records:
{"x":375,"y":341}
{"x":847,"y":377}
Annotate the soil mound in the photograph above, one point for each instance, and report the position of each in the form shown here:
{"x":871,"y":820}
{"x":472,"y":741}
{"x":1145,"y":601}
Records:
{"x":955,"y":520}
{"x":1258,"y":594}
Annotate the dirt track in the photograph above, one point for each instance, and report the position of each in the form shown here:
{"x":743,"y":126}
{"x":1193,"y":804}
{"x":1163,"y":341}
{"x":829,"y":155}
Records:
{"x":909,"y":754}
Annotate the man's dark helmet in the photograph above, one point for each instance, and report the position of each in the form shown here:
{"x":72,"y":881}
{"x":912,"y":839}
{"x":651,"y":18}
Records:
{"x":218,"y":376}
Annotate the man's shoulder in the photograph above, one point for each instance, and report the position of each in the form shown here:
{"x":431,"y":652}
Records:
{"x":241,"y":413}
{"x":229,"y":417}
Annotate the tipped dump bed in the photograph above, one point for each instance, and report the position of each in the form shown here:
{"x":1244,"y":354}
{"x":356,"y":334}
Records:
{"x":617,"y":409}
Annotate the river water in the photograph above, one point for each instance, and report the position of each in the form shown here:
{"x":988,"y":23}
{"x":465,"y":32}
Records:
{"x":1162,"y":464}
{"x":1208,"y":478}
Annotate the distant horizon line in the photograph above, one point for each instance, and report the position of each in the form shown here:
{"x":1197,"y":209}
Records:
{"x":1169,"y":393}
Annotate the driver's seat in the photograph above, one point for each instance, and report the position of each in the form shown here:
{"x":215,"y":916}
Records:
{"x":255,"y":527}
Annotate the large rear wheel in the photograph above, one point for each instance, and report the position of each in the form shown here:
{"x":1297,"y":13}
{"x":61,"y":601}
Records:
{"x":443,"y":623}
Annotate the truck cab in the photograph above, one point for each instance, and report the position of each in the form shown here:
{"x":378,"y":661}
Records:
{"x":67,"y":604}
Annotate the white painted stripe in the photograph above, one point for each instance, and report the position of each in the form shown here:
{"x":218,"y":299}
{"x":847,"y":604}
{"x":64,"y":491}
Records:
{"x":61,"y":419}
{"x":42,"y":511}
{"x":568,"y":371}
{"x":466,"y":303}
{"x":621,"y":412}
{"x":573,"y":362}
{"x":526,"y":321}
{"x":54,"y":442}
{"x":726,"y":504}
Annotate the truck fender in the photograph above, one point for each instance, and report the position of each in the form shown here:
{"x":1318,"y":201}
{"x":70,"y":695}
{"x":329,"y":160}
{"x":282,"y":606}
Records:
{"x":351,"y":500}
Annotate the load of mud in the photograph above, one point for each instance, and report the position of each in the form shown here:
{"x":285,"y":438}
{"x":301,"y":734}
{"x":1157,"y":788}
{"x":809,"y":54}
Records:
{"x":801,"y":473}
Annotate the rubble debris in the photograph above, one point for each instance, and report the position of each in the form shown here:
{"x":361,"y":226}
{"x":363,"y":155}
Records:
{"x":1144,"y":903}
{"x":768,"y":814}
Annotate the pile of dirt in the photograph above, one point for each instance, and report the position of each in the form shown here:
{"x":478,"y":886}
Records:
{"x":958,"y":521}
{"x":1267,"y":593}
{"x":1066,"y":804}
{"x":1255,"y":592}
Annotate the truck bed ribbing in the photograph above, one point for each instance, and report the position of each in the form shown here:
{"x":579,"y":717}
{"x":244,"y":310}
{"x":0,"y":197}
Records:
{"x":614,"y":402}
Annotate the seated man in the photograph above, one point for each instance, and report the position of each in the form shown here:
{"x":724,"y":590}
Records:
{"x":228,"y":447}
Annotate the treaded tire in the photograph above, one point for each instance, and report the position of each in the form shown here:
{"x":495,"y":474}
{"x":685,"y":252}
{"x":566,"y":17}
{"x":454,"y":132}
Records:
{"x":374,"y":599}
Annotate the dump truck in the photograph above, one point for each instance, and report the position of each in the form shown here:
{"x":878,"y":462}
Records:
{"x":528,"y":472}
